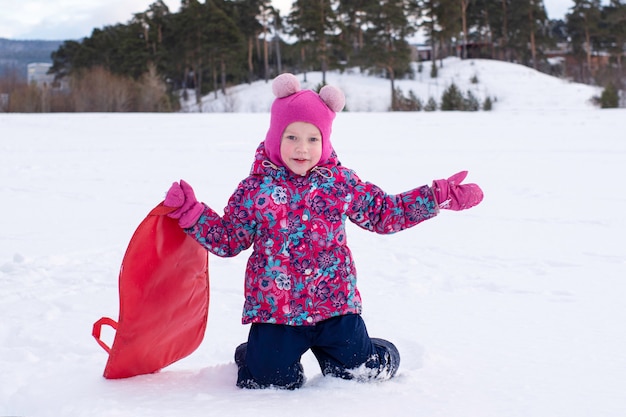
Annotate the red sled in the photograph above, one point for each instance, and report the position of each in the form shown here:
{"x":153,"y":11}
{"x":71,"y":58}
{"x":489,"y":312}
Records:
{"x":164,"y":299}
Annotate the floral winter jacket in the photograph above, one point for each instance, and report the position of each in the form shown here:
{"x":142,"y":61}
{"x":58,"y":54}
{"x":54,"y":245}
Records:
{"x":301,"y":270}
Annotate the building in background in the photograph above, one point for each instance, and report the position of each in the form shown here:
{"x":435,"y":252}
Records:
{"x":37,"y":73}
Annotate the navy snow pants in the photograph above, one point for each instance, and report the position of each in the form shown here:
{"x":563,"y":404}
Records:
{"x":271,"y":357}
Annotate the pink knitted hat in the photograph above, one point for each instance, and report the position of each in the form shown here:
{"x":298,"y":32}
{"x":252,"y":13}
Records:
{"x":293,"y":104}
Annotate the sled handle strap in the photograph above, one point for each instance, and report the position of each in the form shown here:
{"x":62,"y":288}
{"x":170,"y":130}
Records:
{"x":97,"y":326}
{"x":161,"y":210}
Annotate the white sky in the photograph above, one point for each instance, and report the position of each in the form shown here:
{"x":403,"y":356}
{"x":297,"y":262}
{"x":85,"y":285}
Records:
{"x":74,"y":19}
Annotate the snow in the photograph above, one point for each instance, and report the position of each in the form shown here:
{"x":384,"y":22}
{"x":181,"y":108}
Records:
{"x":513,"y":308}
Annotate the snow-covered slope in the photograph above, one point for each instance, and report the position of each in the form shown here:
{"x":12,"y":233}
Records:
{"x":510,"y":86}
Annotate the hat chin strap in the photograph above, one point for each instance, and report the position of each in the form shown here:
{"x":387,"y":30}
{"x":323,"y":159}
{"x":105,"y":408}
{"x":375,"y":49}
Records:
{"x":269,"y":164}
{"x":323,"y":171}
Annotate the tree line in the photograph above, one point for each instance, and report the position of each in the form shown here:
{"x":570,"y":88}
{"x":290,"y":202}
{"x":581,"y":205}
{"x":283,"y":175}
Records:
{"x":211,"y":45}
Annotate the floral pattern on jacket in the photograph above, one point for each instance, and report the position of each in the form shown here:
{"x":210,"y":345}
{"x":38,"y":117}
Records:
{"x":301,"y":270}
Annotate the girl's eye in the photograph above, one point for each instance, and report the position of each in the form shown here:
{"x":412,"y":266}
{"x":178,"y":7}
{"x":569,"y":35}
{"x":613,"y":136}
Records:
{"x":314,"y":139}
{"x":291,"y":137}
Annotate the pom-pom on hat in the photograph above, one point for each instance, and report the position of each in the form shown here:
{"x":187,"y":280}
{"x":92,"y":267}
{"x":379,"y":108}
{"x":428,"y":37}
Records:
{"x":292,"y":104}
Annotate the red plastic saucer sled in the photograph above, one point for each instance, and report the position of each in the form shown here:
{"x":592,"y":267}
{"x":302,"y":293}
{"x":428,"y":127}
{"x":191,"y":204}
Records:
{"x":164,"y":299}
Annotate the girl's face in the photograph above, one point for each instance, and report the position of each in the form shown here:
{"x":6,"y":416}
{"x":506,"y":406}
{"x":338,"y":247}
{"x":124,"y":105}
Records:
{"x":301,"y":147}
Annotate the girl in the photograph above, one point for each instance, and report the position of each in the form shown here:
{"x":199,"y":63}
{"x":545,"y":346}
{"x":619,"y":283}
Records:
{"x":300,"y":281}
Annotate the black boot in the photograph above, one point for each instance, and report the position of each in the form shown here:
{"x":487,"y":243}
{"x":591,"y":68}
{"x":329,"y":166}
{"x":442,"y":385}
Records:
{"x":389,"y":358}
{"x":245,"y":380}
{"x":240,"y":354}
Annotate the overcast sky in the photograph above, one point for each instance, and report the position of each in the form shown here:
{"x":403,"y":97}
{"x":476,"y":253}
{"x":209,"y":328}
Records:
{"x":74,"y":19}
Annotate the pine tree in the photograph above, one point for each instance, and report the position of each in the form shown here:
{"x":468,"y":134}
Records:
{"x":245,"y":14}
{"x":610,"y":97}
{"x":488,"y":104}
{"x":312,"y":22}
{"x":486,"y":17}
{"x":431,"y":104}
{"x":226,"y":41}
{"x":464,"y":5}
{"x":613,"y":31}
{"x":582,"y":25}
{"x":441,"y":20}
{"x":153,"y":22}
{"x":352,"y":19}
{"x":452,"y":99}
{"x":527,"y":23}
{"x":387,"y":47}
{"x":470,"y":102}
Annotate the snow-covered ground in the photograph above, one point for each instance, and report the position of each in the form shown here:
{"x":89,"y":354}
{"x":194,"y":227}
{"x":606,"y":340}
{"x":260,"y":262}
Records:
{"x":514,"y":308}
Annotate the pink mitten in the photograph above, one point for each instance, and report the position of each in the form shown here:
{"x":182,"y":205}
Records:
{"x":453,"y":195}
{"x":183,"y":198}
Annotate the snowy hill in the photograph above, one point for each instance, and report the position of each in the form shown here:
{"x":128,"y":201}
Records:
{"x":498,"y":80}
{"x":514,"y":308}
